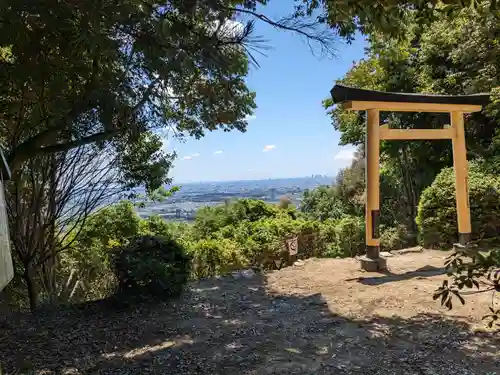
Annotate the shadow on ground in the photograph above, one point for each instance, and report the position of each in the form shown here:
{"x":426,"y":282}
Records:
{"x":232,"y":326}
{"x":389,"y":277}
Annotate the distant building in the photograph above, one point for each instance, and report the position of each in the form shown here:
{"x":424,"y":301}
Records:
{"x":273,"y":194}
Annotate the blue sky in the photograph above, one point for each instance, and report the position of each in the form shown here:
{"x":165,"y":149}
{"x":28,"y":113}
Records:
{"x":290,"y":84}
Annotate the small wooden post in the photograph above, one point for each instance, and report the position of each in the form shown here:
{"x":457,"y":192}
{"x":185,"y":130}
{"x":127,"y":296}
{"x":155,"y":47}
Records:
{"x":292,"y":245}
{"x":461,"y":178}
{"x":372,"y":261}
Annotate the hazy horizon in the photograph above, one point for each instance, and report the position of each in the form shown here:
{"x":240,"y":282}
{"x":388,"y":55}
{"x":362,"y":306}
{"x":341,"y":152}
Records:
{"x":252,"y":179}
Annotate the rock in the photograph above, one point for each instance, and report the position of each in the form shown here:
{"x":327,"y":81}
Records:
{"x":416,"y":249}
{"x":248,"y":274}
{"x":386,"y":254}
{"x":300,"y":262}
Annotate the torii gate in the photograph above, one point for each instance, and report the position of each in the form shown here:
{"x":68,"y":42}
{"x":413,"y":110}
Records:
{"x":374,"y":102}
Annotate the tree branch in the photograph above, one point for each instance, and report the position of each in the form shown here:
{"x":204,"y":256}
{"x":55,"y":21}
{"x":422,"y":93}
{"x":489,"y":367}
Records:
{"x":79,"y":142}
{"x":325,"y":39}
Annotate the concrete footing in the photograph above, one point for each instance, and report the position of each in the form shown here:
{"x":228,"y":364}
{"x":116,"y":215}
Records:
{"x":373,"y":265}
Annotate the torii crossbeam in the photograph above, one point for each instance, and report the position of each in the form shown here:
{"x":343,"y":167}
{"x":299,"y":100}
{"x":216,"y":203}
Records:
{"x":374,"y":102}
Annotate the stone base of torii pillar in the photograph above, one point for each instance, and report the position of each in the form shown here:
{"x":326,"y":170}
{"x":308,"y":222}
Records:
{"x":373,"y":265}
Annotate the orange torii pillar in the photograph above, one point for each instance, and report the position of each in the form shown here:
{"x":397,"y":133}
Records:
{"x":374,"y":102}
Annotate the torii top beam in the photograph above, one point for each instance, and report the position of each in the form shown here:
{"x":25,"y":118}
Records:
{"x":359,"y":100}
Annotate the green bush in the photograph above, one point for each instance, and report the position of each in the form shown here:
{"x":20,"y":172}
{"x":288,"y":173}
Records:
{"x":151,"y":266}
{"x":347,"y":237}
{"x":327,"y":232}
{"x":154,"y":225}
{"x":216,"y":257}
{"x":394,"y":238}
{"x":87,"y":248}
{"x":209,"y":220}
{"x":437,"y":214}
{"x":118,"y":222}
{"x":323,"y":203}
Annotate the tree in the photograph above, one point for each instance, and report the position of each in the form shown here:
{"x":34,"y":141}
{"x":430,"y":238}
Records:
{"x":387,"y":16}
{"x":346,"y":197}
{"x":80,"y":72}
{"x":322,"y":203}
{"x":85,"y":72}
{"x":48,"y":203}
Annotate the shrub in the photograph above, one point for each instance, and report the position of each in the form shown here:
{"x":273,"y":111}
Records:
{"x":154,"y":225}
{"x":349,"y":237}
{"x":266,"y":242}
{"x":394,"y":238}
{"x":87,"y":248}
{"x":151,"y":266}
{"x":116,"y":223}
{"x":209,"y":220}
{"x":216,"y":257}
{"x":328,"y":238}
{"x":437,"y":214}
{"x":322,"y":203}
{"x":309,"y":238}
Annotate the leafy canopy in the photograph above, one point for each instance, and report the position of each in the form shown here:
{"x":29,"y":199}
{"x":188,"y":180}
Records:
{"x":388,"y":16}
{"x":116,"y":74}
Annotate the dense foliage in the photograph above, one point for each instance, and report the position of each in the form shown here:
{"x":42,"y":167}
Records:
{"x":116,"y":251}
{"x":437,"y":214}
{"x":150,"y":266}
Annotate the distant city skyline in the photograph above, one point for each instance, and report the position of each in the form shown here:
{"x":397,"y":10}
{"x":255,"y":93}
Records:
{"x":174,"y":182}
{"x":184,"y":203}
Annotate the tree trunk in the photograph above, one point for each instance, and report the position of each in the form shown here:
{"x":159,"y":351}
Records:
{"x":409,"y":181}
{"x":30,"y":282}
{"x":403,"y":167}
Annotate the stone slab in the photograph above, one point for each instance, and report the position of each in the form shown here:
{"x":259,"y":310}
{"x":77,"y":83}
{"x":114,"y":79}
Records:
{"x":373,"y":265}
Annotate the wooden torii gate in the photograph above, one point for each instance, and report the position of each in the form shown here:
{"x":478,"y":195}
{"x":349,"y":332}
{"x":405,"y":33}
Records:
{"x":374,"y":102}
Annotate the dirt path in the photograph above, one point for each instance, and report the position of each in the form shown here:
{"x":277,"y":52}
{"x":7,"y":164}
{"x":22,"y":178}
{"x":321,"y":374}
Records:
{"x":324,"y":317}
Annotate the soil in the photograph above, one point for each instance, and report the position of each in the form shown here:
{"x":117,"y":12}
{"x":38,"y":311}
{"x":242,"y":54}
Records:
{"x":324,"y":316}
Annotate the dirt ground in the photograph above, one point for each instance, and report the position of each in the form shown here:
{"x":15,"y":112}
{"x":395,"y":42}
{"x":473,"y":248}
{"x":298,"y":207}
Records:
{"x":323,"y":317}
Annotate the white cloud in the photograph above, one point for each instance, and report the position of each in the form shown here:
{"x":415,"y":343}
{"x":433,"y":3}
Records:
{"x":269,"y":148}
{"x":218,"y":152}
{"x":346,"y":154}
{"x":188,"y":158}
{"x":195,"y":155}
{"x":250,"y":117}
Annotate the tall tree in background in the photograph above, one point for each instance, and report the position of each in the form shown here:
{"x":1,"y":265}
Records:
{"x":387,"y":16}
{"x":81,"y":72}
